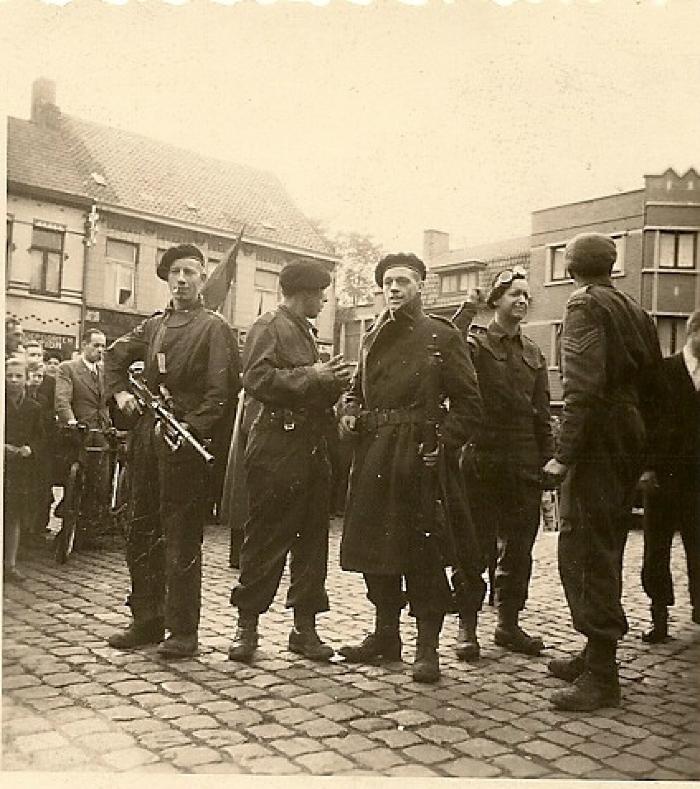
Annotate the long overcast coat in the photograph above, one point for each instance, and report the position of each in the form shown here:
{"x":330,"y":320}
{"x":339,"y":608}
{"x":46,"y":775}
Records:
{"x":382,"y":514}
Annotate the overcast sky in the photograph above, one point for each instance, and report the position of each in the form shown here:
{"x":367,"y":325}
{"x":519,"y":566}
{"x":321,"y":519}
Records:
{"x":387,"y":118}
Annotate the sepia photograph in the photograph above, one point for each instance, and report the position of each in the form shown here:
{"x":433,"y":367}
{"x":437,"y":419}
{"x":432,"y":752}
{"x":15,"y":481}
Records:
{"x":352,"y":391}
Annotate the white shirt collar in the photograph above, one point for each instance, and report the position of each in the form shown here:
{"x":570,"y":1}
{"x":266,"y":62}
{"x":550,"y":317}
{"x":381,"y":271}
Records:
{"x":92,"y":366}
{"x":692,"y":364}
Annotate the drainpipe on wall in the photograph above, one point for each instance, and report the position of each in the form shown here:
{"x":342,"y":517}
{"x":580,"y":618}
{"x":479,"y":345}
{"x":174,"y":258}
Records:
{"x":91,"y":225}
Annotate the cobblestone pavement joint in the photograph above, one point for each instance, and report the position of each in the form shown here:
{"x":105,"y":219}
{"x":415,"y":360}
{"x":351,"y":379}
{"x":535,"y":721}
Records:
{"x":71,"y":703}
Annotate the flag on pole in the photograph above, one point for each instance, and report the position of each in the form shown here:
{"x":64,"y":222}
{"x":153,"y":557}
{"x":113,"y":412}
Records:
{"x":217,"y":286}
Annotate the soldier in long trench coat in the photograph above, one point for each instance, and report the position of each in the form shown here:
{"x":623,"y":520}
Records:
{"x":385,"y":411}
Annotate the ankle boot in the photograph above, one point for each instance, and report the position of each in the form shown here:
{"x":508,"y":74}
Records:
{"x":598,"y":686}
{"x":467,"y":643}
{"x":245,"y":642}
{"x":304,"y":640}
{"x":568,"y":669}
{"x":383,"y":644}
{"x":659,"y":626}
{"x":510,"y":635}
{"x":426,"y":667}
{"x":139,"y":633}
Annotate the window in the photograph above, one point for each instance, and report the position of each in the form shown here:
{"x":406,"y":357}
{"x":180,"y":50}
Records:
{"x":555,"y":345}
{"x":677,"y":249}
{"x":265,"y":255}
{"x":266,"y":285}
{"x":556,"y":265}
{"x":671,"y":333}
{"x":47,"y":258}
{"x":459,"y":282}
{"x":556,"y":262}
{"x":120,"y":278}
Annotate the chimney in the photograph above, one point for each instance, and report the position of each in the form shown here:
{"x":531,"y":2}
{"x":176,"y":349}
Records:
{"x":44,"y":109}
{"x":435,"y":243}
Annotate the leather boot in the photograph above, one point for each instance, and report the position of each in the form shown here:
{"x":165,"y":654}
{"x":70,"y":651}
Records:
{"x":304,"y":640}
{"x":510,"y":635}
{"x":138,"y":634}
{"x":659,"y":626}
{"x":245,"y":641}
{"x":180,"y":645}
{"x":568,"y":669}
{"x":467,"y":643}
{"x":383,"y":644}
{"x":598,"y":686}
{"x":426,"y":667}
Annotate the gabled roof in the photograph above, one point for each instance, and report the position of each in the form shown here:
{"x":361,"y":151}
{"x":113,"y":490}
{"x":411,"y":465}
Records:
{"x":130,"y":171}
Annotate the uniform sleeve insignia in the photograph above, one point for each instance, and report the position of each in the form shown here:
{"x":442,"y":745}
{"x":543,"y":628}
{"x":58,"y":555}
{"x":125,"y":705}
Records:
{"x":581,"y":339}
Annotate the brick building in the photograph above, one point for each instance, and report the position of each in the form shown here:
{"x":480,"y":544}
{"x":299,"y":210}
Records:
{"x":91,"y":208}
{"x":656,"y":233}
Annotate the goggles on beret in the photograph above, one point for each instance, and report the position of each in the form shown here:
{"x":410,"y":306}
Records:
{"x":510,"y":274}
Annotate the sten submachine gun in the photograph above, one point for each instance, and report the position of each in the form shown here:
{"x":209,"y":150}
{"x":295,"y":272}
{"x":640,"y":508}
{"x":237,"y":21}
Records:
{"x":173,"y":431}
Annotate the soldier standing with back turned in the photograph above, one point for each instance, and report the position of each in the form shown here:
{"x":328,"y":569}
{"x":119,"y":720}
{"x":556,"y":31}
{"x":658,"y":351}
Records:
{"x":611,"y":365}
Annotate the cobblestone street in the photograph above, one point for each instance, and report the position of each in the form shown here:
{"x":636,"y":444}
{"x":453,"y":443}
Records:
{"x":72,"y":703}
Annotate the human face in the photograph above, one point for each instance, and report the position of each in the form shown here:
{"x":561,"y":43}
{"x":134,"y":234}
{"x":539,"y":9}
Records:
{"x":15,"y":378}
{"x":512,"y":306}
{"x":313,"y":301}
{"x":36,"y":375}
{"x":92,"y":351}
{"x":185,"y":280}
{"x":14,"y":336}
{"x":401,"y":284}
{"x":52,"y":366}
{"x":34,"y":353}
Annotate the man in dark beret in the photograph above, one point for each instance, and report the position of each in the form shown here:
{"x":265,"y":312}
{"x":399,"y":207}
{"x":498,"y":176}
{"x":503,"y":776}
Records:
{"x":191,"y":358}
{"x":286,"y":464}
{"x":389,"y":534}
{"x":613,"y":392}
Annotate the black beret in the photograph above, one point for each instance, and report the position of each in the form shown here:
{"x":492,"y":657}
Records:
{"x":177,"y":253}
{"x":303,"y":275}
{"x":406,"y":259}
{"x":590,"y":255}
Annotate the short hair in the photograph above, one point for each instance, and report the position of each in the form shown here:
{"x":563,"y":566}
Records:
{"x":590,"y":255}
{"x":87,"y":335}
{"x":16,"y":361}
{"x":693,"y":323}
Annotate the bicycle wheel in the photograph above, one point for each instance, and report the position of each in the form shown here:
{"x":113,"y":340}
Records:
{"x":65,"y":539}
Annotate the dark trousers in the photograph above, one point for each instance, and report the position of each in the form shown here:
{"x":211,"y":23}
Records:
{"x":506,"y":508}
{"x":165,"y":530}
{"x":428,"y":593}
{"x":288,"y":482}
{"x":596,"y":515}
{"x":674,"y":507}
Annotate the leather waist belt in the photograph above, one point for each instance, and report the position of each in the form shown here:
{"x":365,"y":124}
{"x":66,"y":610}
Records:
{"x":372,"y":420}
{"x":287,"y":419}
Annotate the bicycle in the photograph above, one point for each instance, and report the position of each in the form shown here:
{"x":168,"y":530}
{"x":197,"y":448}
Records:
{"x":94,"y":497}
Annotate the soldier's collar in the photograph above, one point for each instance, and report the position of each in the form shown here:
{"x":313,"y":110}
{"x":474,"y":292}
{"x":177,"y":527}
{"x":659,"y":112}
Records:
{"x":197,"y":305}
{"x":497,"y":332}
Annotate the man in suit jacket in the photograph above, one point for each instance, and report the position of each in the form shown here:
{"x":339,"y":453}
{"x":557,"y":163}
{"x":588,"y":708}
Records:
{"x":672,"y":486}
{"x":80,"y":397}
{"x":80,"y":392}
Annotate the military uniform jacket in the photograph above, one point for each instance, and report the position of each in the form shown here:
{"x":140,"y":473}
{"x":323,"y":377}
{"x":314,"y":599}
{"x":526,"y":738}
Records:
{"x":611,"y":367}
{"x":200,"y":359}
{"x":278,"y":366}
{"x":384,"y":495}
{"x":514,"y":386}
